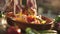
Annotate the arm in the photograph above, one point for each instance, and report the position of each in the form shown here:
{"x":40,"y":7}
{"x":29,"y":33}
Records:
{"x":32,"y":4}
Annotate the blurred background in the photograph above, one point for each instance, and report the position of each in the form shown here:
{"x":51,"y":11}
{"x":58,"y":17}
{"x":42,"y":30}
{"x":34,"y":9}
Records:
{"x":48,"y":8}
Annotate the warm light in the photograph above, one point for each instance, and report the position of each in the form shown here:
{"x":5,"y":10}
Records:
{"x":18,"y":30}
{"x":58,"y":15}
{"x":4,"y":20}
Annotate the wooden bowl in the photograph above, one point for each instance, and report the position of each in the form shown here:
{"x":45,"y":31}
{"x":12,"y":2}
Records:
{"x":23,"y":26}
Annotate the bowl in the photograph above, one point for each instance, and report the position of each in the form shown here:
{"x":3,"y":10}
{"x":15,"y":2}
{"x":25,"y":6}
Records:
{"x":23,"y":26}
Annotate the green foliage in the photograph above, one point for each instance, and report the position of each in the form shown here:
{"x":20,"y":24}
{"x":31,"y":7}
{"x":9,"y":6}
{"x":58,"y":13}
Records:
{"x":57,"y":19}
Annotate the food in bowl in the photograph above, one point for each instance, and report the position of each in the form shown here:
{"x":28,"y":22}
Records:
{"x":30,"y":19}
{"x":35,"y":22}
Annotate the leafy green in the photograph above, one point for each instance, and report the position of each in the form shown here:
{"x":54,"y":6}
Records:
{"x":31,"y":31}
{"x":57,"y":19}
